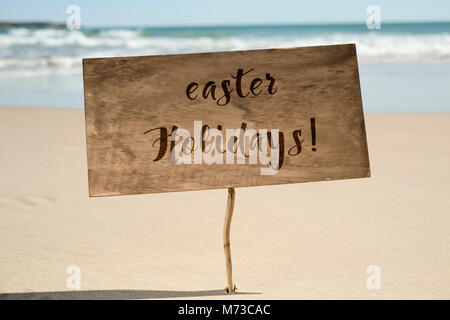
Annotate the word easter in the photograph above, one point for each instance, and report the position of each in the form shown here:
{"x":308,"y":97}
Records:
{"x":210,"y":88}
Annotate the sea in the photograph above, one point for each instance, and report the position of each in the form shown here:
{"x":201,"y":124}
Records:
{"x":404,"y":67}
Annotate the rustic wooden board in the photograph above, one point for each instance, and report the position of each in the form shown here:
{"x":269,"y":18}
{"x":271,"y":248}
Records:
{"x":127,"y":97}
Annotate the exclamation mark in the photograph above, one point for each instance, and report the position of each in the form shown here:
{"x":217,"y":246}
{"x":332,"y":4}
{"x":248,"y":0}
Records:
{"x":313,"y":133}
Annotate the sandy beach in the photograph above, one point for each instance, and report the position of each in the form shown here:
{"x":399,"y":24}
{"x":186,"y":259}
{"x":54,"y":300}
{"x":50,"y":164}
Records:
{"x":297,"y":241}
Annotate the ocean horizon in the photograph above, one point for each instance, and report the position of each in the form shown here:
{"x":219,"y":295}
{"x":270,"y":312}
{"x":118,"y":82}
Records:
{"x":399,"y":63}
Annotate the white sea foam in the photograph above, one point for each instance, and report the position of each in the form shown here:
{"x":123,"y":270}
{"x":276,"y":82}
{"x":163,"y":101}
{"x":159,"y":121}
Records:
{"x":42,"y":51}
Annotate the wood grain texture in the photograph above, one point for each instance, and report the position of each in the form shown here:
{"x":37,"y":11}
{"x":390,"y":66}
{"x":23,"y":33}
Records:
{"x":125,"y":97}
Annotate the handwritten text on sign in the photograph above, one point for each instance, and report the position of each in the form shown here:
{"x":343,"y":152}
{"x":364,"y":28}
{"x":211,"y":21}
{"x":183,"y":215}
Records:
{"x":215,"y":120}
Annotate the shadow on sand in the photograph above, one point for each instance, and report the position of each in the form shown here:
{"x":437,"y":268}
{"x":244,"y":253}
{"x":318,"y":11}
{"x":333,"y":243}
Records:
{"x":113,"y":294}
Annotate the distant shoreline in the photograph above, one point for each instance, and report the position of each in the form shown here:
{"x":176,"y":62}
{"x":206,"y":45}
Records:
{"x":51,"y":25}
{"x":31,"y":25}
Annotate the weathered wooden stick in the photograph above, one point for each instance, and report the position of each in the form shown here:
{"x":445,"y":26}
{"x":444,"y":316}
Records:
{"x":226,"y":240}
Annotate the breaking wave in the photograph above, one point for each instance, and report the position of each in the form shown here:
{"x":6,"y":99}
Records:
{"x":55,"y":51}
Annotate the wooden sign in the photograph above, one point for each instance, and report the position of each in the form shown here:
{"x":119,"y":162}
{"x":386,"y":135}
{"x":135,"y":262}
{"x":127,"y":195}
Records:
{"x":227,"y":119}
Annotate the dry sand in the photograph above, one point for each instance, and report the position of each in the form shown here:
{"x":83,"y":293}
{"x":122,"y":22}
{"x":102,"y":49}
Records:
{"x":298,"y":241}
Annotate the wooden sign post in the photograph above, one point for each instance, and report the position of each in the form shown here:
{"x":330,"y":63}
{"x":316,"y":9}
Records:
{"x":223,"y":120}
{"x":226,"y":240}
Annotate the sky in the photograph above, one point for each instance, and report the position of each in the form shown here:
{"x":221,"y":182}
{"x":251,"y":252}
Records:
{"x":100,"y":13}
